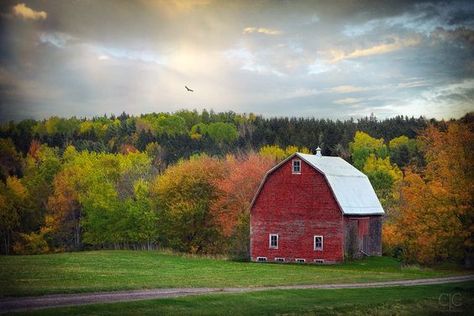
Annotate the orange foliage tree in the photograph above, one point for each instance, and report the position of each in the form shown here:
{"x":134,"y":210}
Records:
{"x":203,"y":203}
{"x":436,"y":219}
{"x":237,"y":188}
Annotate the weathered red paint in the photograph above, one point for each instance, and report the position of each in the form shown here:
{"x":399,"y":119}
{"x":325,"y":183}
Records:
{"x":296,"y":207}
{"x":363,"y":226}
{"x":299,"y":206}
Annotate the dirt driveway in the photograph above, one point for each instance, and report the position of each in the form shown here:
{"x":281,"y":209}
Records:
{"x":47,"y":301}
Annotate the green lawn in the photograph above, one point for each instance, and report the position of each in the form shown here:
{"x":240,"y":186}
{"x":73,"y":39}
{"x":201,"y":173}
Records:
{"x":418,"y":300}
{"x":119,"y":270}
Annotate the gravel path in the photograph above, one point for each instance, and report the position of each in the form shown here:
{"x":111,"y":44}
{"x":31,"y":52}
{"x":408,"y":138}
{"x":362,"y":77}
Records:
{"x":47,"y":301}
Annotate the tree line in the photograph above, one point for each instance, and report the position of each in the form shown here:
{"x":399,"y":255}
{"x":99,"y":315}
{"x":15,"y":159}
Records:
{"x":185,"y":133}
{"x":185,"y":180}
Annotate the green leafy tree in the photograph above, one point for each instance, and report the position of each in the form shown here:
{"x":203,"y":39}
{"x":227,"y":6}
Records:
{"x":404,"y":151}
{"x":383,"y":176}
{"x":41,"y":166}
{"x":221,"y":132}
{"x":364,"y":145}
{"x":371,"y":156}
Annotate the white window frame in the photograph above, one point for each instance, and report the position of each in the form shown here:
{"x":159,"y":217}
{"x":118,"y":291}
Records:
{"x":261,"y":259}
{"x":322,"y":243}
{"x":300,"y":260}
{"x":293,"y":166}
{"x":319,"y":261}
{"x":270,"y":241}
{"x":279,"y":259}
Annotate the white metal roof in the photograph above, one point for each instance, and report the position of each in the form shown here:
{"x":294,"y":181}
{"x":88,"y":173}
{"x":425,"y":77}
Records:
{"x":352,"y":189}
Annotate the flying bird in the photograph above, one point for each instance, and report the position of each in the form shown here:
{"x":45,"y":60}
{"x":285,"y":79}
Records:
{"x":190,"y":90}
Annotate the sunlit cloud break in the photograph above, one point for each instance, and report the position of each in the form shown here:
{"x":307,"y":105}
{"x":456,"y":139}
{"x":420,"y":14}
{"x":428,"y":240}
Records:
{"x":266,"y":31}
{"x":397,"y":44}
{"x":22,"y":11}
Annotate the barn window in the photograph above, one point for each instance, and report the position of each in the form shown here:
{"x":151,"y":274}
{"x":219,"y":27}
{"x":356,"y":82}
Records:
{"x":318,"y":242}
{"x":299,"y":260}
{"x":296,"y":166}
{"x":319,"y":261}
{"x":273,"y":241}
{"x":261,"y":259}
{"x":278,"y":259}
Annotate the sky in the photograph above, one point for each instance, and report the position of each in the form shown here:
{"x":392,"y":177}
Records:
{"x":324,"y":59}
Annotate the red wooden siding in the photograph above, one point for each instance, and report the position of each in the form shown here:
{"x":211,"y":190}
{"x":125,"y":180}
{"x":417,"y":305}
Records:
{"x":296,"y":207}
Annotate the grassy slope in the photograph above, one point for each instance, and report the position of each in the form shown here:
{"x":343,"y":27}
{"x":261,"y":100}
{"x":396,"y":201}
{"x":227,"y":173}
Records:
{"x":120,"y":270}
{"x":419,"y":300}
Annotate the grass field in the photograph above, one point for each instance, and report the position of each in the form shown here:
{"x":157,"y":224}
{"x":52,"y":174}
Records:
{"x":453,"y":299}
{"x":120,"y":270}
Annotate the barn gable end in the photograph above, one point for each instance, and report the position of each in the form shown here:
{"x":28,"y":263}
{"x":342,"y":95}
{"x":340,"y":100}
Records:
{"x":317,"y":209}
{"x":285,"y":206}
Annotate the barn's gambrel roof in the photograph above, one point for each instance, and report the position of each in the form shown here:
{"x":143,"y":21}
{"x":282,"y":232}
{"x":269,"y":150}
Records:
{"x":351,"y":188}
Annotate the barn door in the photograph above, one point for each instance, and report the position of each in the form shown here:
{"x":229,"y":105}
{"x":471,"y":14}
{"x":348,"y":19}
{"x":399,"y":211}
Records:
{"x":364,"y":236}
{"x":365,"y":244}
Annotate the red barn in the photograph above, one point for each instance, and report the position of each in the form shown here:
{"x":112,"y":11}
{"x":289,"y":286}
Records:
{"x":315,"y":209}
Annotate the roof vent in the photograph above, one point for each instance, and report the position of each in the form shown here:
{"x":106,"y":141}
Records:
{"x":318,"y":152}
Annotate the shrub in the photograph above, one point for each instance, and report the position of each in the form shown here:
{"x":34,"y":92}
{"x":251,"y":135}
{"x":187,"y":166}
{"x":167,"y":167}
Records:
{"x":30,"y":244}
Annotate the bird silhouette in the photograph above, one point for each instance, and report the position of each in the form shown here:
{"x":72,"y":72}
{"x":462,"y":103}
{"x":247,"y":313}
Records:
{"x":190,"y":90}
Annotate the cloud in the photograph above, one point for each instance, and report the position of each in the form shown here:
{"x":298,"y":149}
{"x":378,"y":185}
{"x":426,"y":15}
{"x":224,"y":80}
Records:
{"x":319,"y":67}
{"x":57,"y":39}
{"x":248,"y":61}
{"x":173,"y":8}
{"x":397,"y":44}
{"x":461,"y":34}
{"x":421,"y":18}
{"x":103,"y":57}
{"x":346,"y":89}
{"x":22,"y":11}
{"x":347,"y":101}
{"x":413,"y":84}
{"x":446,"y":100}
{"x":266,"y":31}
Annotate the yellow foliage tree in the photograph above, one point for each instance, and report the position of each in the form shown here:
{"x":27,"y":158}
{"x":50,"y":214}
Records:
{"x":277,"y":153}
{"x":363,"y":146}
{"x":183,"y":196}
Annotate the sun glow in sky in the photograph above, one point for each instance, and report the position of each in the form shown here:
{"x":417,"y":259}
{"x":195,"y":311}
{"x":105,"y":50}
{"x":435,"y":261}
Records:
{"x":335,"y":59}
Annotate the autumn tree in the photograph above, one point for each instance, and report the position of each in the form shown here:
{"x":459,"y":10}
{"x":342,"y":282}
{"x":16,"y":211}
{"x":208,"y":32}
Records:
{"x":237,"y":188}
{"x":12,"y":199}
{"x":62,"y":221}
{"x":363,"y":146}
{"x":276,"y":153}
{"x":183,"y":196}
{"x":436,"y":219}
{"x":371,"y":156}
{"x":383,"y":176}
{"x":41,"y":166}
{"x":10,"y":159}
{"x":101,"y":200}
